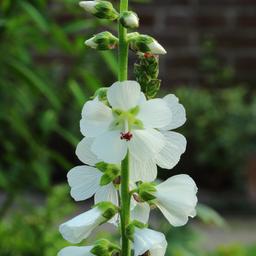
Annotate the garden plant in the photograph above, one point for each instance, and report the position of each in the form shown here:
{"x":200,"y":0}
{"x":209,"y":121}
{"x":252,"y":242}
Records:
{"x":127,"y":134}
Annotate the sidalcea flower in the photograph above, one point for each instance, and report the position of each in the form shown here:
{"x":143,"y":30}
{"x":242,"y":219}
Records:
{"x":129,"y":123}
{"x":85,"y":181}
{"x":76,"y":251}
{"x":100,"y":9}
{"x":145,"y":44}
{"x":176,"y":198}
{"x":147,"y":240}
{"x":129,"y":19}
{"x":81,"y":226}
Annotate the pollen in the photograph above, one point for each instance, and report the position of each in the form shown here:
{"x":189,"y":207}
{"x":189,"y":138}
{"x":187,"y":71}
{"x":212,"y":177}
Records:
{"x":126,"y":136}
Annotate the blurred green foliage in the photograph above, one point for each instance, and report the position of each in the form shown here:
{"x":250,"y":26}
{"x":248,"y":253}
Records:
{"x":220,"y":131}
{"x":33,"y":230}
{"x":46,"y":76}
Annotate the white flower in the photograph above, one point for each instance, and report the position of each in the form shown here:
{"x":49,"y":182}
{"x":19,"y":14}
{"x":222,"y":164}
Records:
{"x":131,"y":123}
{"x":176,"y":199}
{"x":80,"y":227}
{"x":76,"y":251}
{"x":149,"y":240}
{"x":169,"y":155}
{"x":85,"y":180}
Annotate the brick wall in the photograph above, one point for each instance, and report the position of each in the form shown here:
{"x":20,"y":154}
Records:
{"x":182,"y":25}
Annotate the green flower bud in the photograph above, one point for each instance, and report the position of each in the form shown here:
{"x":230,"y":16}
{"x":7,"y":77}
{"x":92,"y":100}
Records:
{"x":108,"y":210}
{"x":111,"y":172}
{"x":131,"y":228}
{"x":129,"y":19}
{"x":101,"y":93}
{"x":102,"y":41}
{"x":145,"y":44}
{"x":146,"y":191}
{"x":100,"y":9}
{"x":103,"y":247}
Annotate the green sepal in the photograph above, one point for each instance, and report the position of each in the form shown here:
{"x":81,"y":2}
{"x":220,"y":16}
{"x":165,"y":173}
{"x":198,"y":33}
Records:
{"x":146,"y":191}
{"x":107,"y":209}
{"x":105,"y":10}
{"x":101,"y":93}
{"x":111,"y":172}
{"x":103,"y":247}
{"x":130,"y":229}
{"x":139,"y":43}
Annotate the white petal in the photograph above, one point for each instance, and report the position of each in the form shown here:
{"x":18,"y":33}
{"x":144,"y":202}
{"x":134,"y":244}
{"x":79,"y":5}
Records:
{"x":159,"y":249}
{"x":106,"y":193}
{"x":174,"y":147}
{"x":145,"y":144}
{"x":154,"y":113}
{"x":142,"y":170}
{"x":80,"y":227}
{"x":176,"y":198}
{"x":84,"y":182}
{"x":146,"y":240}
{"x":109,"y":147}
{"x":177,"y":110}
{"x":156,"y":48}
{"x":141,"y":212}
{"x":96,"y":118}
{"x":124,"y":95}
{"x":84,"y":152}
{"x":76,"y":251}
{"x":89,"y":6}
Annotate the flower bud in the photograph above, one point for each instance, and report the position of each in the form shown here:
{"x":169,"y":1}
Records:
{"x":146,"y":191}
{"x":129,"y":19}
{"x":100,"y":9}
{"x":130,"y":229}
{"x":145,"y":44}
{"x":111,"y":172}
{"x":102,"y":41}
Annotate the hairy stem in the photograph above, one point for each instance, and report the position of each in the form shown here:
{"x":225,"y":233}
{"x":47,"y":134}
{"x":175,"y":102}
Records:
{"x":125,"y":196}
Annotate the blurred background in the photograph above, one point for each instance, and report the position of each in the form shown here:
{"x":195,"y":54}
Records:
{"x":46,"y":76}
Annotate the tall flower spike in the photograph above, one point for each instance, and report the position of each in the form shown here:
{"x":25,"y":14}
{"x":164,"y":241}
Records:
{"x":100,"y":9}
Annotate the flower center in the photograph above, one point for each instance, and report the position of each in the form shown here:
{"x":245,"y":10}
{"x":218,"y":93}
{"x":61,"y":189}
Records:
{"x":126,"y":136}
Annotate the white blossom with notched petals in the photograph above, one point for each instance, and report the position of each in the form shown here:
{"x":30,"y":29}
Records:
{"x":99,"y":122}
{"x":176,"y":198}
{"x":81,"y":226}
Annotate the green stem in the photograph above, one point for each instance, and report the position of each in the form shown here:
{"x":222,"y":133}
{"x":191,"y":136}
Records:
{"x":124,"y":193}
{"x":125,"y":205}
{"x":123,"y":45}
